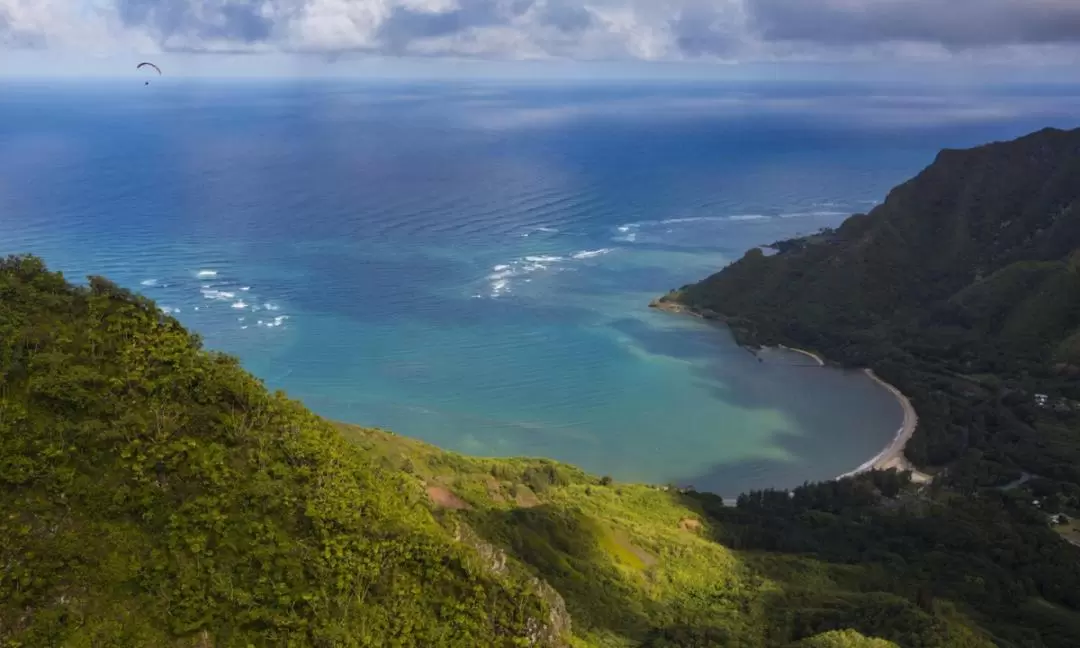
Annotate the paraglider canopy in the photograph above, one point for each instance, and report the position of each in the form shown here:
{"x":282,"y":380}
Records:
{"x":149,"y":65}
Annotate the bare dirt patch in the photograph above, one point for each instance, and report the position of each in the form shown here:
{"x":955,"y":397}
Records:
{"x":444,"y":498}
{"x":690,"y":524}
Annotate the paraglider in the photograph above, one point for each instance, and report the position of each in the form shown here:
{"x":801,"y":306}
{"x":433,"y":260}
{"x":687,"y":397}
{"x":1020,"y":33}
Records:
{"x":147,"y":64}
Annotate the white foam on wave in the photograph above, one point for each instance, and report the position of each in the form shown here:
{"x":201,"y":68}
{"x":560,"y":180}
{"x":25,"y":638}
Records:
{"x":500,"y":287}
{"x":501,"y":268}
{"x":748,"y":217}
{"x":245,"y":288}
{"x":544,"y":258}
{"x":590,"y":254}
{"x":206,"y":274}
{"x":271,"y":307}
{"x":239,"y":304}
{"x":276,"y":322}
{"x":217,"y":295}
{"x":169,"y":310}
{"x":693,"y":219}
{"x":811,"y":214}
{"x":629,"y":238}
{"x":148,"y":282}
{"x":543,"y":228}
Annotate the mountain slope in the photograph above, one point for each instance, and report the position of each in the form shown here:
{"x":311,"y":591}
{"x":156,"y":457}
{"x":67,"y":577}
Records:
{"x":962,"y":288}
{"x":153,"y":494}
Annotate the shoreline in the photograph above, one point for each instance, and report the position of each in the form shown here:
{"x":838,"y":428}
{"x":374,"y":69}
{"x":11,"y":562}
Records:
{"x":811,"y":354}
{"x":892,"y":456}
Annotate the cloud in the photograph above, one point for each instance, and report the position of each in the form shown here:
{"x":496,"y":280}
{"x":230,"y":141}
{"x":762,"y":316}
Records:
{"x":608,"y":30}
{"x":953,"y":24}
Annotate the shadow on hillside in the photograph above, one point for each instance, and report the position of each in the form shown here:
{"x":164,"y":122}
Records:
{"x":564,"y":549}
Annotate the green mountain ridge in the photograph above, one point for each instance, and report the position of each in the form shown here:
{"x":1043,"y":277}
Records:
{"x":966,"y":271}
{"x":152,"y":493}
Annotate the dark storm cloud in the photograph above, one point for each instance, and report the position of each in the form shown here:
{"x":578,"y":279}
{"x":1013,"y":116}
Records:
{"x":406,"y":25}
{"x":954,"y":24}
{"x":566,"y":16}
{"x":698,"y":31}
{"x":201,"y":20}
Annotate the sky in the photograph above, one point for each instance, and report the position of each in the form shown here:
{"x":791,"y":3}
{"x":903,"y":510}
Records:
{"x":957,"y":39}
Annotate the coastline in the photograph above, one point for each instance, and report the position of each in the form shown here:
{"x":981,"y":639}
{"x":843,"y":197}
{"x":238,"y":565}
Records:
{"x":892,"y":456}
{"x":816,"y":357}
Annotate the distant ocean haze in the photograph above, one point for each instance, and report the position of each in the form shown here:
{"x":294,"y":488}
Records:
{"x":471,"y":265}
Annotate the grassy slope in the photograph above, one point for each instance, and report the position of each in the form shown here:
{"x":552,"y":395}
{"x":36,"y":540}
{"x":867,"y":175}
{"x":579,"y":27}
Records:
{"x":638,"y":564}
{"x":154,"y":494}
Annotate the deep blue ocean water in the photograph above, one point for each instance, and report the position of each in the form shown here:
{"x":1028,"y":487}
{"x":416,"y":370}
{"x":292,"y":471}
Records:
{"x":470,"y":264}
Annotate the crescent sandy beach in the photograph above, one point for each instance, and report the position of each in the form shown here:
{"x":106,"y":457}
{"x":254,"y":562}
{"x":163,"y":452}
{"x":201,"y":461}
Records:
{"x":892,"y":456}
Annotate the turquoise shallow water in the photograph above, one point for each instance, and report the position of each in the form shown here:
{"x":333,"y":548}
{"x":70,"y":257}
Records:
{"x":471,"y":265}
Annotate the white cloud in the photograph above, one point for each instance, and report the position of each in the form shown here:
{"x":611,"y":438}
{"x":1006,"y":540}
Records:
{"x":1025,"y":31}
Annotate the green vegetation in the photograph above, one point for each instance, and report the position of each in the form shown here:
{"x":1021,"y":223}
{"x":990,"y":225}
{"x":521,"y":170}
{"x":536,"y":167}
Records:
{"x":963,"y":290}
{"x":650,"y":566}
{"x":152,"y":493}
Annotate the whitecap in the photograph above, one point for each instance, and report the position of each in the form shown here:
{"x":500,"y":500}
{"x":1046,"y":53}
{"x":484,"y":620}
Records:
{"x":590,"y":254}
{"x":748,"y":217}
{"x":217,"y":295}
{"x":148,"y":282}
{"x":629,"y":238}
{"x":812,"y":213}
{"x":245,"y":288}
{"x":240,"y":319}
{"x":500,"y":287}
{"x":243,"y":328}
{"x":501,"y":268}
{"x":543,"y":258}
{"x":206,"y":274}
{"x":239,"y":304}
{"x":169,"y":310}
{"x":543,"y":228}
{"x":271,"y":307}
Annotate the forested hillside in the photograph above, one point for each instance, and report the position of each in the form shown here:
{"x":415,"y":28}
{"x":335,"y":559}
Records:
{"x":962,"y":289}
{"x":154,"y":494}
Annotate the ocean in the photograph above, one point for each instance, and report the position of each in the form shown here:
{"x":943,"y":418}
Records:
{"x":471,"y":263}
